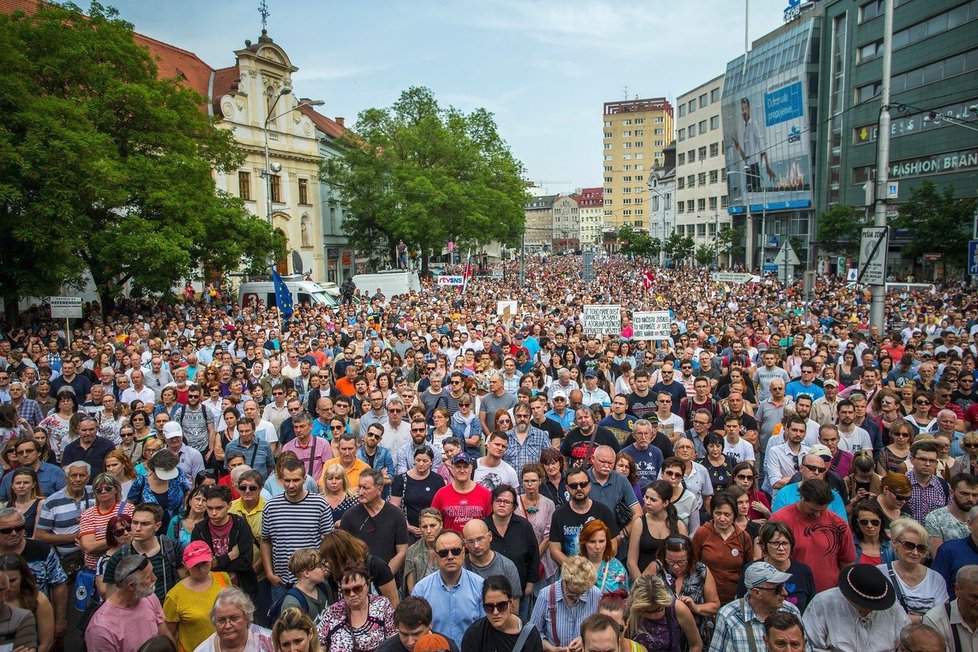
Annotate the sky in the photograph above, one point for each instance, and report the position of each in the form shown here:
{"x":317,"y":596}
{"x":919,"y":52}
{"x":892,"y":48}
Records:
{"x":544,"y":68}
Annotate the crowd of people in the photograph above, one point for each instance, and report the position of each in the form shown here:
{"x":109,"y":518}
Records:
{"x":423,"y":472}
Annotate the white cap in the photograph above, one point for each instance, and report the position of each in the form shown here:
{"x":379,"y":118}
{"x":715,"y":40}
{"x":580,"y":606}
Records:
{"x":172,"y":429}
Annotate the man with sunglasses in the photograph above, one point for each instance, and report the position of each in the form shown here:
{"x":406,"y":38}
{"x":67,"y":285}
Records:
{"x":455,"y":594}
{"x":43,"y":561}
{"x":740,"y":624}
{"x":812,"y":465}
{"x":569,"y":519}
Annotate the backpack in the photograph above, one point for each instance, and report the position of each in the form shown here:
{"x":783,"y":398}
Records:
{"x":276,"y":609}
{"x":169,"y":550}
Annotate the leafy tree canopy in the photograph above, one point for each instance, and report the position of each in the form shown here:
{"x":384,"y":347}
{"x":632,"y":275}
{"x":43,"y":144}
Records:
{"x":427,"y":175}
{"x":105,"y":167}
{"x":938,"y":223}
{"x":840,"y":229}
{"x":637,"y":243}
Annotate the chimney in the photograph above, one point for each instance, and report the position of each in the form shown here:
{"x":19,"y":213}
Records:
{"x":340,"y":120}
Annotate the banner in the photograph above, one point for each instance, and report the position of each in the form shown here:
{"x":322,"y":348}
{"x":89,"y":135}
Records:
{"x":601,"y":320}
{"x":651,"y":325}
{"x":453,"y":281}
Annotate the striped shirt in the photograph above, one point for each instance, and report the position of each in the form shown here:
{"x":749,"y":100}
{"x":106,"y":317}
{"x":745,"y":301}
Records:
{"x":292,"y":526}
{"x":60,"y":515}
{"x":567,"y":618}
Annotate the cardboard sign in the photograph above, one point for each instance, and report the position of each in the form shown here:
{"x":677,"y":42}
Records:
{"x":651,"y":325}
{"x":601,"y":319}
{"x":506,"y":310}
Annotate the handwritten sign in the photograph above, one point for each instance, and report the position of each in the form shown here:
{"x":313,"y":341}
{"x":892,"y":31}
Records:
{"x":601,"y":319}
{"x":651,"y":325}
{"x":506,"y":310}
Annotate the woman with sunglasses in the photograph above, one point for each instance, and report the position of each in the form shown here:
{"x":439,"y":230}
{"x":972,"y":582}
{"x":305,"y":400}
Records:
{"x":872,"y":543}
{"x":920,"y":419}
{"x":359,"y":621}
{"x":466,"y":426}
{"x":659,"y":521}
{"x":500,"y":628}
{"x":895,"y":456}
{"x":745,"y":477}
{"x":690,"y":580}
{"x":23,"y":594}
{"x":894,"y":496}
{"x":918,"y":588}
{"x":94,"y":521}
{"x":947,"y":466}
{"x":139,"y":421}
{"x":683,"y":500}
{"x":968,"y":463}
{"x":149,"y":447}
{"x":777,"y":543}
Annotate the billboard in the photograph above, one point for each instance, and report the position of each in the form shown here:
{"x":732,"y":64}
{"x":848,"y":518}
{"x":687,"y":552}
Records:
{"x":766,"y":133}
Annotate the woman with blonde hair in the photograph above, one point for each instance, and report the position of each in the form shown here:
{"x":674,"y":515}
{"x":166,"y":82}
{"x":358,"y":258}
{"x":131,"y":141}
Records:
{"x":294,"y":632}
{"x":917,"y":587}
{"x":337,"y":491}
{"x":659,"y":622}
{"x":118,"y":464}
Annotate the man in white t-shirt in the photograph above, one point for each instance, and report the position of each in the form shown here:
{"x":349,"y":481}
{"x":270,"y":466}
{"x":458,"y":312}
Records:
{"x":263,"y":428}
{"x":852,"y":438}
{"x":491,"y":471}
{"x":733,"y":444}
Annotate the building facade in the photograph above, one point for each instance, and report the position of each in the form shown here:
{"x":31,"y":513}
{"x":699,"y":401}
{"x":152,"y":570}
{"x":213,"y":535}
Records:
{"x":566,"y":223}
{"x":934,"y":101}
{"x":662,"y":205}
{"x":591,"y":203}
{"x":635,"y":133}
{"x":539,"y":222}
{"x":700,"y":174}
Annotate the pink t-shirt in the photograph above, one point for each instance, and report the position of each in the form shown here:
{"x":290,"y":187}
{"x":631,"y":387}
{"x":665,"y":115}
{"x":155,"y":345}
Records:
{"x":116,"y":629}
{"x":458,"y":509}
{"x":825,"y":544}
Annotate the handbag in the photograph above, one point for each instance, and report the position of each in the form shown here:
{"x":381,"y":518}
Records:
{"x":623,"y":515}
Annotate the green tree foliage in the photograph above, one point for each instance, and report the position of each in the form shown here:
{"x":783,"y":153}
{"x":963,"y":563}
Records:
{"x":704,"y":255}
{"x":730,"y":241}
{"x":840,"y":228}
{"x":678,"y":247}
{"x":106,"y":168}
{"x":638,"y":244}
{"x":938,"y":223}
{"x":427,"y":175}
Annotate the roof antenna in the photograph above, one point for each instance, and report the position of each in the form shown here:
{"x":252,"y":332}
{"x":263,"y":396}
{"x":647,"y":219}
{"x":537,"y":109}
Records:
{"x":263,"y":12}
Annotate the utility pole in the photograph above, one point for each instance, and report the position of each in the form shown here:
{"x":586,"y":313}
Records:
{"x":883,"y":158}
{"x":523,"y":258}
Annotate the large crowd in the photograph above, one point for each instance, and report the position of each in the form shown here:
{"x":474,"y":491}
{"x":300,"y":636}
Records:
{"x":422,"y":472}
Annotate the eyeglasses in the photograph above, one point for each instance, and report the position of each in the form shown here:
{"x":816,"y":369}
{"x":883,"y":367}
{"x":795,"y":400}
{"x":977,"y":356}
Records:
{"x":340,"y":427}
{"x":496,"y":607}
{"x":815,"y":469}
{"x":577,"y":485}
{"x":921,"y":402}
{"x":672,"y":474}
{"x":11,"y":530}
{"x":449,"y":552}
{"x":104,"y":489}
{"x":869,"y":522}
{"x":779,"y":544}
{"x":464,"y":404}
{"x":503,"y":501}
{"x":907,"y":547}
{"x":278,"y":393}
{"x":902,"y":497}
{"x":353,"y":590}
{"x":777,"y":588}
{"x":744,"y":476}
{"x":972,"y":445}
{"x":247,"y":488}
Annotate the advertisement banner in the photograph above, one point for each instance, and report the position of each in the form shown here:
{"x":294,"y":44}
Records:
{"x":765,"y":126}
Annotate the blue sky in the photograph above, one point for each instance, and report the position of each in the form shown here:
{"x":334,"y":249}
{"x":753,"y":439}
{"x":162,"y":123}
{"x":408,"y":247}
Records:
{"x":543,"y":67}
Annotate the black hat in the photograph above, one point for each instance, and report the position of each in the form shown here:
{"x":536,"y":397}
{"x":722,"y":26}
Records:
{"x":865,"y":586}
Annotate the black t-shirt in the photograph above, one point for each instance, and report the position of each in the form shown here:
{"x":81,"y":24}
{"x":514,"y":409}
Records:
{"x":641,"y":406}
{"x":589,"y":362}
{"x":549,"y":426}
{"x":519,"y":545}
{"x":416,"y":494}
{"x":566,"y":525}
{"x":576,"y":445}
{"x":675,"y":389}
{"x":382,"y":533}
{"x":481,"y":636}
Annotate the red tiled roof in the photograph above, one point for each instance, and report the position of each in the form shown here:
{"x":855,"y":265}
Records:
{"x":327,"y":126}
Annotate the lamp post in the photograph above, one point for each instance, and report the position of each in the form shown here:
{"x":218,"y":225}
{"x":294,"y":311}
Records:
{"x":275,"y":168}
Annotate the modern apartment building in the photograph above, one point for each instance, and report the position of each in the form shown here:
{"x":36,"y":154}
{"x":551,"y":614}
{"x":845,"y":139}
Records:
{"x":635,"y":133}
{"x":701,"y":178}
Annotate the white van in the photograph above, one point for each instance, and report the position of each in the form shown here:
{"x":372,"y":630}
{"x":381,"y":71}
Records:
{"x":391,"y":283}
{"x":303,"y":291}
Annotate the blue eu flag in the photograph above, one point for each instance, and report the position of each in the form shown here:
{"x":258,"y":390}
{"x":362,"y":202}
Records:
{"x":283,"y":298}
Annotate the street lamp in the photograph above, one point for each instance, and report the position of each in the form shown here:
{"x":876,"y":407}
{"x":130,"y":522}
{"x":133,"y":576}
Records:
{"x":274,"y":168}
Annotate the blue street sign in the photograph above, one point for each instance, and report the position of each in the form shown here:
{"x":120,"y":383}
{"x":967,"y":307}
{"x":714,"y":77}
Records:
{"x":770,"y":267}
{"x":973,"y":257}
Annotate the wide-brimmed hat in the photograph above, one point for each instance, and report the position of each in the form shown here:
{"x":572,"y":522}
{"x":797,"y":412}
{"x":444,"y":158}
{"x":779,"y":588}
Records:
{"x":865,"y":586}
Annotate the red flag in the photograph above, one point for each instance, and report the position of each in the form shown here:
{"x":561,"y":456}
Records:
{"x":467,"y":274}
{"x":647,"y":279}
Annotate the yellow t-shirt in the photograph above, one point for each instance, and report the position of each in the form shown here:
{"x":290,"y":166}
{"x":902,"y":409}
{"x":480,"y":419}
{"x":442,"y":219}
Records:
{"x":254,"y":522}
{"x":192,"y":611}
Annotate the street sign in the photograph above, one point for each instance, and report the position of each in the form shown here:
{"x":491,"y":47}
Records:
{"x":973,"y":257}
{"x":786,"y":253}
{"x":65,"y":307}
{"x":770,"y":267}
{"x":852,"y":274}
{"x":892,"y":189}
{"x":497,"y":272}
{"x":730,"y":277}
{"x":872,"y":255}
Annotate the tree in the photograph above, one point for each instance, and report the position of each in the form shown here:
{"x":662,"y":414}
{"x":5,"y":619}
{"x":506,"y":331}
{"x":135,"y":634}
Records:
{"x":427,"y":175}
{"x":840,"y":229}
{"x":730,"y":241}
{"x":105,"y":168}
{"x":938,"y":223}
{"x":638,"y":244}
{"x":705,"y":254}
{"x":678,"y":247}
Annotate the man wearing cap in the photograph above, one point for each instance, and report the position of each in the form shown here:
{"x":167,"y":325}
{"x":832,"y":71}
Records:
{"x":191,"y":461}
{"x":463,"y":499}
{"x":89,"y":447}
{"x":860,"y":613}
{"x":822,"y":537}
{"x":592,"y":393}
{"x":825,"y":409}
{"x":740,"y":624}
{"x":559,"y":413}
